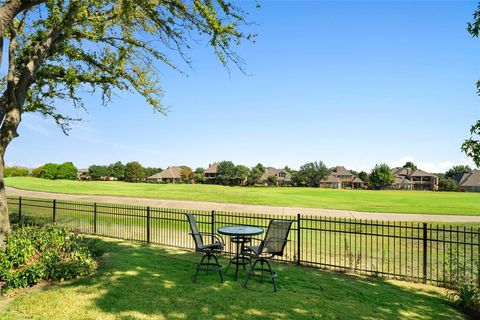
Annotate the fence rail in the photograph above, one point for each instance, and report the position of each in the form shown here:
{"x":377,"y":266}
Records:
{"x":429,"y":253}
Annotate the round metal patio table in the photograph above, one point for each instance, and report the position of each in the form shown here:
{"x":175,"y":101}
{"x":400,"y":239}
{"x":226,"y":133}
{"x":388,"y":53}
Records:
{"x":239,"y":235}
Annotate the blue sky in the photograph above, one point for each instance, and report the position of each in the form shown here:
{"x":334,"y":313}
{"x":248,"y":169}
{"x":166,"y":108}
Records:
{"x":349,"y":83}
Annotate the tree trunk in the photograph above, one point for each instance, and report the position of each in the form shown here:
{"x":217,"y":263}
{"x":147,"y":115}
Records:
{"x":4,"y":217}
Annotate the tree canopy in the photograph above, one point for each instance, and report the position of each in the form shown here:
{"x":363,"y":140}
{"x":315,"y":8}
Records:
{"x":471,"y":146}
{"x":381,"y":176}
{"x":453,"y":171}
{"x":310,"y":174}
{"x":411,"y":165}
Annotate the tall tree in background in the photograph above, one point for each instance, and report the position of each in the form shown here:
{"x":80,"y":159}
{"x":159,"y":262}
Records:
{"x":411,"y":165}
{"x":255,"y":174}
{"x":471,"y":146}
{"x":381,"y":176}
{"x":310,"y":174}
{"x":453,"y":171}
{"x":58,"y":49}
{"x":134,"y":171}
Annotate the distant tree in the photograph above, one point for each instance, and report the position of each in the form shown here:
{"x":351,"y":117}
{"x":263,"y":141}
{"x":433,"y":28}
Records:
{"x":186,"y":174}
{"x":310,"y":174}
{"x":117,"y":170}
{"x":288,"y":169}
{"x":453,"y":171}
{"x":37,"y":171}
{"x":355,"y":173}
{"x":150,"y":171}
{"x":381,"y":176}
{"x":447,"y":184}
{"x":364,"y":177}
{"x":97,"y":171}
{"x":134,"y":171}
{"x":67,"y":171}
{"x":198,"y":175}
{"x":225,"y":172}
{"x":49,"y":171}
{"x":410,"y":165}
{"x":272,"y":180}
{"x":240,"y":174}
{"x":15,"y":172}
{"x":255,"y":174}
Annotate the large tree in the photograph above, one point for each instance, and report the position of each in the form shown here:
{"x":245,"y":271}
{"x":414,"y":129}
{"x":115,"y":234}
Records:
{"x":59,"y":49}
{"x":310,"y":174}
{"x":381,"y":176}
{"x":471,"y":146}
{"x":455,"y":170}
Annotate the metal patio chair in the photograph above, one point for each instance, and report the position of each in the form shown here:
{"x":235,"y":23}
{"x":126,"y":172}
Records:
{"x":209,"y":250}
{"x":272,"y":245}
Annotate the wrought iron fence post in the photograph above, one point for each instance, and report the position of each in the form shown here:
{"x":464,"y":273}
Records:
{"x":299,"y":247}
{"x":148,"y":224}
{"x":213,"y":226}
{"x":95,"y":218}
{"x":425,"y":252}
{"x":19,"y":208}
{"x":54,"y":211}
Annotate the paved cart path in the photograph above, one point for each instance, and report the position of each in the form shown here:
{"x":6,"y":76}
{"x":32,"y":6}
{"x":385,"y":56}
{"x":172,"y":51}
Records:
{"x":233,"y":207}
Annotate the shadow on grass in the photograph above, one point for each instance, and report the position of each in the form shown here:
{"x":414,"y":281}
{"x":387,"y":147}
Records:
{"x":141,"y":281}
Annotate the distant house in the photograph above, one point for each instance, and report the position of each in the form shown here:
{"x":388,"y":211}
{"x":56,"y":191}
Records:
{"x":409,"y":179}
{"x":282,"y":176}
{"x":469,"y":181}
{"x":82,"y":174}
{"x":171,"y":175}
{"x":341,"y":178}
{"x":211,"y":172}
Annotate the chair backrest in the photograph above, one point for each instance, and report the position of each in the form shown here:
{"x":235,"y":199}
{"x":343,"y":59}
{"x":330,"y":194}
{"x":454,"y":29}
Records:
{"x":197,"y":237}
{"x":276,"y":237}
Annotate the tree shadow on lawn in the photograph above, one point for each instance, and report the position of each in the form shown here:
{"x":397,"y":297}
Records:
{"x":144,"y":281}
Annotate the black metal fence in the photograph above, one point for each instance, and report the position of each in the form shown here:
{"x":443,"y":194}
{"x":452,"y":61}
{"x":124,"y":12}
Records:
{"x":436,"y":254}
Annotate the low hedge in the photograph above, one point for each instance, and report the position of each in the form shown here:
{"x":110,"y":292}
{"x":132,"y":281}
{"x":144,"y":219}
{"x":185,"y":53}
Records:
{"x":35,"y":253}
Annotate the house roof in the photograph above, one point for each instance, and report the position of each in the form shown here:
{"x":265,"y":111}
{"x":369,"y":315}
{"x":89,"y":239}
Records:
{"x":212,"y":168}
{"x":408,"y":172}
{"x":169,"y":173}
{"x":341,"y":171}
{"x":269,"y":172}
{"x":471,"y":179}
{"x":331,"y":179}
{"x":357,"y":180}
{"x":421,"y":173}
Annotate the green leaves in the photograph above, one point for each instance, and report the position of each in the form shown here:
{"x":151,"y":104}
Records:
{"x":109,"y":46}
{"x":471,"y":147}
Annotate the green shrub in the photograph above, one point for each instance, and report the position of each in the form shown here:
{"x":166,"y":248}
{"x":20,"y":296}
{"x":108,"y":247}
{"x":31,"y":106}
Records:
{"x":49,"y":171}
{"x":32,"y":254}
{"x":466,"y":296}
{"x":15,"y":172}
{"x":67,"y":171}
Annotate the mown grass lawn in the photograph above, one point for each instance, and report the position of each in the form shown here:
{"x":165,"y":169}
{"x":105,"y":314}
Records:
{"x":137,"y":281}
{"x":424,"y":202}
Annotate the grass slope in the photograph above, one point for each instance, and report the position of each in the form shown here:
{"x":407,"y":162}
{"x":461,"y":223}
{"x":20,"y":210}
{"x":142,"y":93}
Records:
{"x":138,"y":281}
{"x":425,"y":202}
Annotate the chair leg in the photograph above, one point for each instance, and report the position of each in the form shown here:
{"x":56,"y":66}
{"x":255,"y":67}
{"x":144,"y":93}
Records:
{"x":219,"y":268}
{"x":249,"y":274}
{"x":273,"y":276}
{"x":198,"y":268}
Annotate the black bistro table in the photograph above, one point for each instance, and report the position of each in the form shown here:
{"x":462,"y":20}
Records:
{"x":240,"y":235}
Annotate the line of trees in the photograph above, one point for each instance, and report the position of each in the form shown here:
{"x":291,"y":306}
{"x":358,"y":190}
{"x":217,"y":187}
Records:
{"x":230,"y":174}
{"x":131,"y":171}
{"x":54,"y":171}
